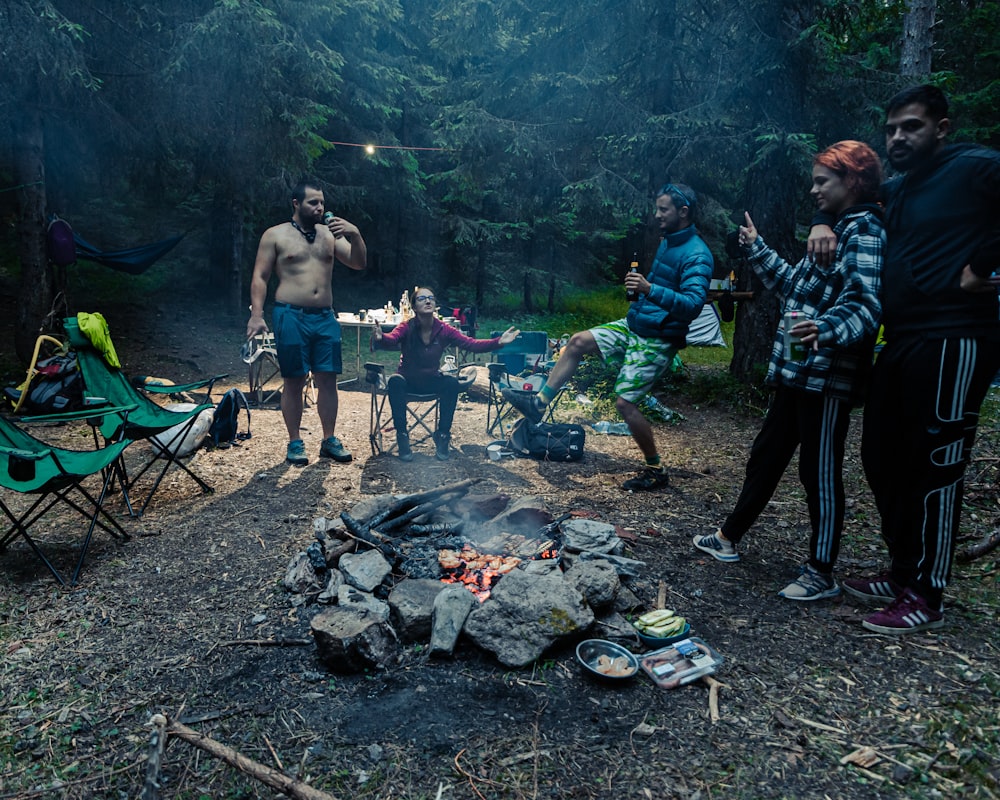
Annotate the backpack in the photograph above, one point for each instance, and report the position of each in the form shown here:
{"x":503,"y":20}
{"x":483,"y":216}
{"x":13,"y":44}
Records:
{"x":56,"y":387}
{"x":59,"y":243}
{"x":559,"y":441}
{"x":226,"y":422}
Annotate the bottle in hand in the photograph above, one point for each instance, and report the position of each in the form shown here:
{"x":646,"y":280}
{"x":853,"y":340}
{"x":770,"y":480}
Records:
{"x":633,"y":267}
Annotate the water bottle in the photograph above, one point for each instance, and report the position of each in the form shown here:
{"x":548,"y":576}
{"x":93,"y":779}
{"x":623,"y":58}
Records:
{"x":612,"y":428}
{"x":658,"y":411}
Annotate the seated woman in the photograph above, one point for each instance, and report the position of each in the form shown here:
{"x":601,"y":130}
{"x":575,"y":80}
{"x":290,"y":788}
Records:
{"x":421,"y":341}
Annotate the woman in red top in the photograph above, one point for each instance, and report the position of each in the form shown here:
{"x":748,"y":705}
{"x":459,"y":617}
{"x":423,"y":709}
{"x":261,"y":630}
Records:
{"x":422,"y":340}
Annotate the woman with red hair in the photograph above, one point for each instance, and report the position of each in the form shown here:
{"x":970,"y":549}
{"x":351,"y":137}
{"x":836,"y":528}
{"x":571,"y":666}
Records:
{"x":832,"y":314}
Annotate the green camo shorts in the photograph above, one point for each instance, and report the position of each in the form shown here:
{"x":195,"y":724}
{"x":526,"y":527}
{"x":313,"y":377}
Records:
{"x":642,"y":360}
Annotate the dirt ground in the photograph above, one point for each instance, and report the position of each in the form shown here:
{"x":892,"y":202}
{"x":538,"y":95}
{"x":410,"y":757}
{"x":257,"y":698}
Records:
{"x":153,"y":627}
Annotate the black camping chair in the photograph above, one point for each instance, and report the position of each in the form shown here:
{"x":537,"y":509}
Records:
{"x":421,"y":413}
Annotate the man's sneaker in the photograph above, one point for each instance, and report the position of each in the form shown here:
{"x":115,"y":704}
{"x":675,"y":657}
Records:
{"x":906,"y":614}
{"x":526,"y":403}
{"x":717,"y":547}
{"x":881,"y":589}
{"x":332,"y":448}
{"x":810,"y":585}
{"x":649,"y":478}
{"x":403,"y":446}
{"x":296,"y":453}
{"x":441,"y":442}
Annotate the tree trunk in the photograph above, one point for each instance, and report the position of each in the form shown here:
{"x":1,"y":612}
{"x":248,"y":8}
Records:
{"x":235,"y":282}
{"x":35,"y":291}
{"x":771,"y":199}
{"x":918,"y":38}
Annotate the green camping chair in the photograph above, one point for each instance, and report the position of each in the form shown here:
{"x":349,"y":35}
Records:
{"x":147,"y":421}
{"x":30,"y":466}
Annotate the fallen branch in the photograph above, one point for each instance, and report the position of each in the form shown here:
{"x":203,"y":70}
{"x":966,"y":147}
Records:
{"x":295,"y":789}
{"x":267,"y":642}
{"x":157,"y":743}
{"x":985,"y":545}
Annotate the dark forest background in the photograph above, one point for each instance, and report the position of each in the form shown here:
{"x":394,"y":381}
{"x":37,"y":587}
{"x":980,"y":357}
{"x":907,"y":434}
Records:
{"x":516,"y":149}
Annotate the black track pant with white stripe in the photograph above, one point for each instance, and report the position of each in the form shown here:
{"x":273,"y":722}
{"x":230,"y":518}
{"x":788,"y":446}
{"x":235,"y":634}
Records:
{"x":919,"y":426}
{"x":818,"y":426}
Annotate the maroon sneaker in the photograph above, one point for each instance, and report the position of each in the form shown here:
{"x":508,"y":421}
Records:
{"x":908,"y":613}
{"x":882,"y":589}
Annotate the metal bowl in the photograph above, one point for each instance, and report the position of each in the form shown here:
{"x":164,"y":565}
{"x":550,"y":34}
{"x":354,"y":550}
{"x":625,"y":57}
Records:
{"x":596,"y":654}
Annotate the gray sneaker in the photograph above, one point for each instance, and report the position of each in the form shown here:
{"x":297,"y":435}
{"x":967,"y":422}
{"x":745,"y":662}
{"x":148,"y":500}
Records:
{"x":526,"y":403}
{"x":811,"y":585}
{"x":717,"y":547}
{"x":332,"y":448}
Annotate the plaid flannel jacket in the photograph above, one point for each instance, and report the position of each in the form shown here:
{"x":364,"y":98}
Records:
{"x":844,"y":301}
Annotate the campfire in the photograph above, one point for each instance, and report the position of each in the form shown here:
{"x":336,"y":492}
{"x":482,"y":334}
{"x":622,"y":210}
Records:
{"x":504,"y":575}
{"x":479,"y":569}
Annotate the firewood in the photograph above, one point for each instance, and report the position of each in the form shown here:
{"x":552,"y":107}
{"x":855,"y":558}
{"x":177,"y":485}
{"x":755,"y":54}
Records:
{"x":407,"y":502}
{"x":295,"y":789}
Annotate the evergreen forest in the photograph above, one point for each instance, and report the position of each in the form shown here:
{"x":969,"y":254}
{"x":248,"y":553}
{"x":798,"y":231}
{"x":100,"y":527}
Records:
{"x":505,"y":152}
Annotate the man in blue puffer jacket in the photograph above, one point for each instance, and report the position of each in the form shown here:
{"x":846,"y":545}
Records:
{"x":646,"y":341}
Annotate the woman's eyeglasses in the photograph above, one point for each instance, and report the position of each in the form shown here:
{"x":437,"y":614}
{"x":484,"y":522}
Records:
{"x":420,"y":298}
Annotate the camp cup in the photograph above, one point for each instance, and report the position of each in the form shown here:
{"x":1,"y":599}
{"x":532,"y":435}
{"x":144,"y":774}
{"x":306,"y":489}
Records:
{"x":363,"y":315}
{"x":494,"y":451}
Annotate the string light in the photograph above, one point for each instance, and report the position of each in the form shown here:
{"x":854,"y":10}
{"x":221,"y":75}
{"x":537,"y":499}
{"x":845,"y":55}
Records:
{"x":371,"y":148}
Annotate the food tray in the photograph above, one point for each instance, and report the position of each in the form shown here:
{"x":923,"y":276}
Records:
{"x":680,"y":663}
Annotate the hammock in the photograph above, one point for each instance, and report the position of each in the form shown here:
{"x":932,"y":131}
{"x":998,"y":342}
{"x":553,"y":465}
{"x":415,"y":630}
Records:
{"x":133,"y":260}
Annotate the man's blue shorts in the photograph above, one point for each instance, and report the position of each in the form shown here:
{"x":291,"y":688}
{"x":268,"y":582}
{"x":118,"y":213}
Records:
{"x":307,"y":340}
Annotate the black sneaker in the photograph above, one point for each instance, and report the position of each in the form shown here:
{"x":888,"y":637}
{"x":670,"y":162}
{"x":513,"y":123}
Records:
{"x":403,"y":445}
{"x":811,"y":585}
{"x":441,"y":442}
{"x":649,"y":478}
{"x":526,"y":403}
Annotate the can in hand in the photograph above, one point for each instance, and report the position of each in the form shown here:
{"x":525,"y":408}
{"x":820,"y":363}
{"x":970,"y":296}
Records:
{"x":795,"y":350}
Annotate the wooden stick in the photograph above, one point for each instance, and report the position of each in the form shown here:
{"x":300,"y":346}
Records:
{"x":268,"y":642}
{"x":293,"y":788}
{"x":713,"y":697}
{"x":661,"y":595}
{"x":157,"y":743}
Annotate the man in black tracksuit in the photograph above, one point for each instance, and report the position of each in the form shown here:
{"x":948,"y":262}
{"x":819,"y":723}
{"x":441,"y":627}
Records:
{"x":942,"y":350}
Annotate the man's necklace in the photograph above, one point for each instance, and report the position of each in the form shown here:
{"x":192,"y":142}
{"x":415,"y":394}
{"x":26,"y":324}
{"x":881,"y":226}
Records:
{"x":310,"y":237}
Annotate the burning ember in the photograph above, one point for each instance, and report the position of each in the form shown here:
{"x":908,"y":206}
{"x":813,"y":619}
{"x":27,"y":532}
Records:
{"x":478,"y":571}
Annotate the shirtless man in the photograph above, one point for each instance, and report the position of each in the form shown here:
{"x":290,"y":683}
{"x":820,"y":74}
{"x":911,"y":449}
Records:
{"x":307,"y":333}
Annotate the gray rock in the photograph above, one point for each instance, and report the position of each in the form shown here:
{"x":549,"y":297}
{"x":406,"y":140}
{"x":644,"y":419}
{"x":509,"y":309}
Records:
{"x":349,"y":640}
{"x":451,"y":609}
{"x":411,"y":606}
{"x":597,"y":581}
{"x":350,"y":597}
{"x":300,"y":576}
{"x":333,"y":583}
{"x":589,"y":534}
{"x":525,"y":615}
{"x":364,"y":571}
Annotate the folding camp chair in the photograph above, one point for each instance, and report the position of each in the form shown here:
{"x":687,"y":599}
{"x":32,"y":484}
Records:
{"x":148,"y":419}
{"x":264,"y":374}
{"x":56,"y":475}
{"x":419,"y":408}
{"x":506,"y":373}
